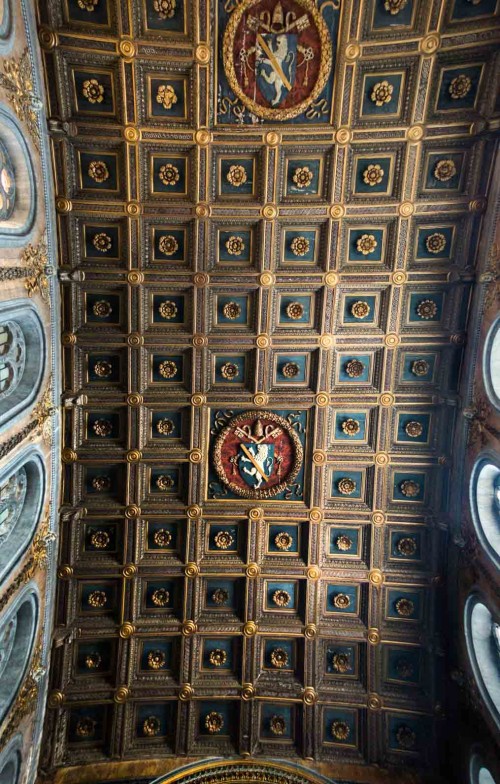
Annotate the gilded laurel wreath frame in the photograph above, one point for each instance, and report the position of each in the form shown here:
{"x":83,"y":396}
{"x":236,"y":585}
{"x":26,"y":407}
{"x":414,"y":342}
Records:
{"x":324,"y":70}
{"x":271,"y":491}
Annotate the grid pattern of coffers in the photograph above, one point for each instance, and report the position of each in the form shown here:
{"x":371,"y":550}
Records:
{"x":315,"y":273}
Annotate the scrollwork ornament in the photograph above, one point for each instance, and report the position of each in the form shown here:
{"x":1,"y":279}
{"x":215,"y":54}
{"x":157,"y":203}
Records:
{"x":17,"y":80}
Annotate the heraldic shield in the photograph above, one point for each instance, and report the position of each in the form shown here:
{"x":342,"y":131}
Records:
{"x":256,"y":462}
{"x":276,"y":65}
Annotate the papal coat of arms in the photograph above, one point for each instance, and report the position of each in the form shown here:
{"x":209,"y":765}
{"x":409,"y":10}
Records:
{"x":277,"y":56}
{"x":258,"y":454}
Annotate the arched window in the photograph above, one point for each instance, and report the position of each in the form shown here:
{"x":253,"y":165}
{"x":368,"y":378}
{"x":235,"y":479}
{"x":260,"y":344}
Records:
{"x":22,"y":357}
{"x":479,"y":773}
{"x":17,"y":637}
{"x":481,"y":631}
{"x":22,"y":489}
{"x":7,"y":184}
{"x":491,"y":363}
{"x":485,"y":503}
{"x":17,"y":182}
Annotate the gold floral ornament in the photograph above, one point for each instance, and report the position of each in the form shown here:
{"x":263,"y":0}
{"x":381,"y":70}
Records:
{"x":341,"y":601}
{"x":279,"y":658}
{"x":281,"y":598}
{"x":351,"y":427}
{"x":299,"y":246}
{"x":407,"y":546}
{"x":373,"y":174}
{"x":290,"y":370}
{"x":102,"y":308}
{"x":85,"y":728}
{"x":102,"y":427}
{"x":17,"y":80}
{"x":166,"y":96}
{"x":101,"y":484}
{"x":217,"y":657}
{"x":235,"y":245}
{"x":427,"y":309}
{"x":340,"y":662}
{"x":214,"y":722}
{"x":283,"y":540}
{"x":295,"y":310}
{"x":164,"y":482}
{"x":168,"y":369}
{"x":404,"y":607}
{"x":93,"y":661}
{"x":231,"y":310}
{"x":103,"y":369}
{"x":101,"y":242}
{"x":162,"y":537}
{"x":343,"y":542}
{"x":93,"y":91}
{"x":395,"y":6}
{"x":168,"y":245}
{"x":220,"y":596}
{"x":151,"y":726}
{"x":160,"y":597}
{"x":420,"y":367}
{"x":302,"y":177}
{"x":36,"y":260}
{"x":409,"y":488}
{"x":445,"y":170}
{"x":277,"y":725}
{"x":366,"y":244}
{"x":382,"y":93}
{"x":414,"y":429}
{"x":168,"y":310}
{"x":98,"y":171}
{"x":156,"y":660}
{"x":169,"y":174}
{"x":236,"y":175}
{"x":229,"y":371}
{"x":100,"y":539}
{"x":435,"y":243}
{"x":346,"y":485}
{"x":460,"y":86}
{"x":88,"y":5}
{"x":340,"y":730}
{"x":165,"y":8}
{"x":165,"y":426}
{"x":223,"y":540}
{"x":360,"y":310}
{"x":354,"y":368}
{"x":97,"y":599}
{"x":405,"y":737}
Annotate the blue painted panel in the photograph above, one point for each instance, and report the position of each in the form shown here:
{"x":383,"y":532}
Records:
{"x":357,"y":255}
{"x":403,"y":664}
{"x":365,"y":360}
{"x":407,"y":733}
{"x":112,"y":240}
{"x":341,"y":660}
{"x":342,"y":417}
{"x":106,"y":105}
{"x":351,"y":591}
{"x":239,"y":361}
{"x":160,"y":650}
{"x":95,"y":718}
{"x":160,"y":585}
{"x":110,"y":161}
{"x":173,"y":249}
{"x":241,"y":318}
{"x":169,"y":23}
{"x":416,"y":299}
{"x":422,"y":236}
{"x":400,"y":477}
{"x":231,"y":531}
{"x":282,"y":360}
{"x":282,"y":585}
{"x":286,"y":645}
{"x":384,"y":18}
{"x":346,"y":533}
{"x":292,"y":532}
{"x":225,"y":644}
{"x":268,"y":711}
{"x":356,"y":476}
{"x":408,"y":364}
{"x":464,"y":9}
{"x":289,"y":299}
{"x":245,"y":235}
{"x":432,"y":182}
{"x":111,"y":317}
{"x":177,"y":109}
{"x":171,"y":474}
{"x":404,"y":419}
{"x":177,"y":309}
{"x":77,"y":12}
{"x":162,"y":535}
{"x":370,"y":107}
{"x":312,"y":188}
{"x":415,"y":536}
{"x":394,"y":595}
{"x":230,"y":600}
{"x":290,"y":235}
{"x":171,"y":167}
{"x":379,"y":187}
{"x":350,"y":318}
{"x":175,"y":417}
{"x":446,"y":100}
{"x":226,"y":187}
{"x":101,"y":652}
{"x":177,"y":376}
{"x":340,"y":720}
{"x":163,"y":712}
{"x":227,"y":710}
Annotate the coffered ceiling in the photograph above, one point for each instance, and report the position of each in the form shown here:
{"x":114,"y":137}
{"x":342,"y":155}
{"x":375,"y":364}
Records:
{"x":268,"y":215}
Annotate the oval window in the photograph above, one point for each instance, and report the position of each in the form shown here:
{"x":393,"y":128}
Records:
{"x":491,"y":363}
{"x":17,"y":636}
{"x":7,"y":184}
{"x":479,"y":773}
{"x":483,"y":644}
{"x":485,"y":504}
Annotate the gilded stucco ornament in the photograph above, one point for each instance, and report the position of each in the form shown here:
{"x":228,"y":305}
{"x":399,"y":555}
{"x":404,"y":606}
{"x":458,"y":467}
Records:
{"x":169,"y":174}
{"x":436,"y":242}
{"x":295,"y":310}
{"x":341,"y":601}
{"x":98,"y":171}
{"x":366,"y":244}
{"x":354,"y":368}
{"x":257,"y":454}
{"x":101,"y":242}
{"x":217,"y":657}
{"x":460,"y":86}
{"x":151,"y":726}
{"x":405,"y":737}
{"x":102,"y":427}
{"x":36,"y":261}
{"x":346,"y":486}
{"x":165,"y":426}
{"x":168,"y":310}
{"x":93,"y":91}
{"x":156,"y":660}
{"x":409,"y":488}
{"x":164,"y":482}
{"x":420,"y":367}
{"x":407,"y":546}
{"x":168,"y":369}
{"x":88,"y":5}
{"x":350,"y":427}
{"x":93,"y":661}
{"x":165,"y":8}
{"x":162,"y":537}
{"x":236,"y":175}
{"x":229,"y":371}
{"x":277,"y":725}
{"x":404,"y":607}
{"x":395,"y":6}
{"x":360,"y":309}
{"x":214,"y":722}
{"x":299,"y":246}
{"x":97,"y":599}
{"x":382,"y":93}
{"x":101,"y":484}
{"x":102,"y":308}
{"x":17,"y":80}
{"x":231,"y":310}
{"x":445,"y":170}
{"x":302,"y":176}
{"x":373,"y":174}
{"x":343,"y":543}
{"x":283,"y":86}
{"x":166,"y":96}
{"x":168,"y":245}
{"x":290,"y":370}
{"x":427,"y":309}
{"x":223,"y":540}
{"x":160,"y":597}
{"x":279,"y":658}
{"x":220,"y":596}
{"x":341,"y":662}
{"x":283,"y":540}
{"x":100,"y":539}
{"x":85,"y":727}
{"x":281,"y":598}
{"x":235,"y":245}
{"x":103,"y":368}
{"x":414,"y":429}
{"x":340,"y":730}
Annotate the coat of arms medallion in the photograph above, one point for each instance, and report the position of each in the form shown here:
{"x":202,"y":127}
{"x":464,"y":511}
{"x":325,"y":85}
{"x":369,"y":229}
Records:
{"x":258,"y":454}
